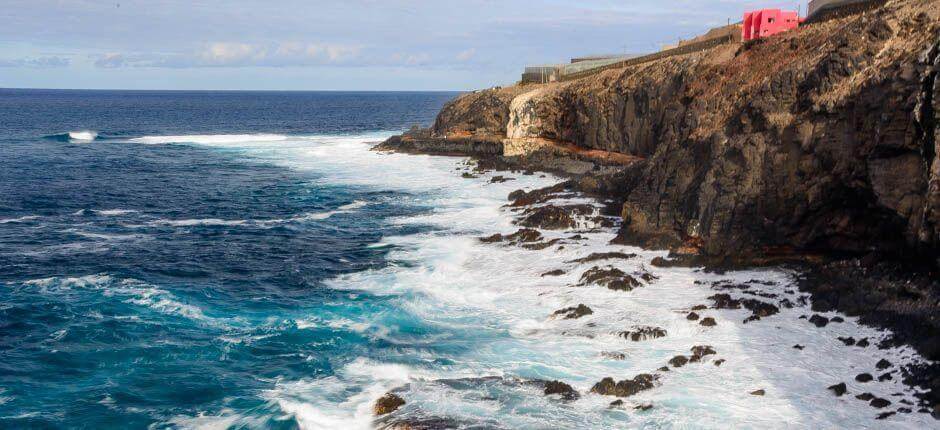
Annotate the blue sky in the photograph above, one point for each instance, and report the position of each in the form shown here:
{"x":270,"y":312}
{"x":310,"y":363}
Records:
{"x":329,"y":45}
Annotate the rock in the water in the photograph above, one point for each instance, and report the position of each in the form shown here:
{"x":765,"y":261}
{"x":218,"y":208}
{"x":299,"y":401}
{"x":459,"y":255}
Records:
{"x":702,"y":350}
{"x":836,"y":320}
{"x":848,"y":341}
{"x":574,"y":312}
{"x":523,"y":235}
{"x":616,"y":403}
{"x":862,"y":343}
{"x":678,"y":361}
{"x":798,"y":346}
{"x":610,"y":277}
{"x":760,"y":392}
{"x":553,"y":217}
{"x":500,"y":179}
{"x":839,"y":388}
{"x":708,"y":322}
{"x":879,"y":403}
{"x":719,"y":361}
{"x":625,"y":388}
{"x":643,"y":407}
{"x":885,"y":377}
{"x":699,"y":307}
{"x":865,"y":396}
{"x":864,"y":377}
{"x":604,"y":256}
{"x":564,"y":390}
{"x":692,"y":316}
{"x":643,"y":333}
{"x":556,"y":272}
{"x":664,"y":369}
{"x":387,"y":404}
{"x":885,"y":415}
{"x":819,"y":320}
{"x":883,"y":364}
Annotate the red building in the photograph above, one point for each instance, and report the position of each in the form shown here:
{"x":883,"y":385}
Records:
{"x":767,"y":22}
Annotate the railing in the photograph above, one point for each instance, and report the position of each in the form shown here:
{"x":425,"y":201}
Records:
{"x":682,"y":50}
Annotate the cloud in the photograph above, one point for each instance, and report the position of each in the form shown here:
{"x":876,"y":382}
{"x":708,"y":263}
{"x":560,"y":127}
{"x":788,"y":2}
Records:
{"x":466,"y":55}
{"x":110,"y":60}
{"x":37,"y":62}
{"x":239,"y":54}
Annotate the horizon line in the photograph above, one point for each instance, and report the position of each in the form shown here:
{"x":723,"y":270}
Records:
{"x":235,"y":90}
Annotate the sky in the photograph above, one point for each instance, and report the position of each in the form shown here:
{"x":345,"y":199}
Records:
{"x":330,"y":45}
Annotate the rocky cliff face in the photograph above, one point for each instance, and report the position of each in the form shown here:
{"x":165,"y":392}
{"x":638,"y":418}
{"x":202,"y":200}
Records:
{"x":821,"y":140}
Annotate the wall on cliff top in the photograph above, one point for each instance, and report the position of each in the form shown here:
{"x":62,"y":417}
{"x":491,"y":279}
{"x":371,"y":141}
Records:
{"x":819,"y":139}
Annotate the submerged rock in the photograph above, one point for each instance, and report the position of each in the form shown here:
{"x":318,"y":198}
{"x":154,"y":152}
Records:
{"x":387,"y":404}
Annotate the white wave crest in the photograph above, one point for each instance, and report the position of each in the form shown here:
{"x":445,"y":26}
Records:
{"x":83,"y":135}
{"x":130,"y":290}
{"x":20,"y":219}
{"x":210,"y":139}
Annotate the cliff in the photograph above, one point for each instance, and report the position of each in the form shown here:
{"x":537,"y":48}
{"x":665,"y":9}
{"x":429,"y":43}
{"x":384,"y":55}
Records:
{"x":818,"y":145}
{"x":822,"y":140}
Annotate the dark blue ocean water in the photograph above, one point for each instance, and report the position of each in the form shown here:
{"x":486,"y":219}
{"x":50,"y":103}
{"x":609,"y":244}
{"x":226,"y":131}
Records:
{"x":139,"y":283}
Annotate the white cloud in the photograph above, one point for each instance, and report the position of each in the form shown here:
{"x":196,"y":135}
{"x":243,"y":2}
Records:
{"x":37,"y":62}
{"x":110,"y":60}
{"x":466,"y":55}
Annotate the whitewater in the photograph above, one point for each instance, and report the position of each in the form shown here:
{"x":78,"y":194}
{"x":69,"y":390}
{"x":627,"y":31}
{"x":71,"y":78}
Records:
{"x":492,"y":312}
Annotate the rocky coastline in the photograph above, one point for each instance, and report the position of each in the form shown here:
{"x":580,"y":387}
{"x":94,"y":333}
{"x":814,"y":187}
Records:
{"x":816,"y":151}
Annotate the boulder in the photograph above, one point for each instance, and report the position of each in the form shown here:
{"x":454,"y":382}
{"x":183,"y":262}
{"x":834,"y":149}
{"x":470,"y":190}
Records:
{"x":387,"y":404}
{"x":562,"y":389}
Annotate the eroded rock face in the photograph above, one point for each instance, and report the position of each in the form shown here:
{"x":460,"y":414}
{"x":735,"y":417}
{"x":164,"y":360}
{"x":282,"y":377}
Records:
{"x":553,"y":217}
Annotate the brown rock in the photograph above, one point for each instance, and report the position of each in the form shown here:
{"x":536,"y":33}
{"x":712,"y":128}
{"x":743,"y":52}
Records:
{"x":387,"y":404}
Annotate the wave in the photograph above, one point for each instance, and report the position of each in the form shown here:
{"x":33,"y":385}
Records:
{"x":130,"y":290}
{"x":74,"y":136}
{"x":20,"y":219}
{"x":210,"y":139}
{"x":311,"y":216}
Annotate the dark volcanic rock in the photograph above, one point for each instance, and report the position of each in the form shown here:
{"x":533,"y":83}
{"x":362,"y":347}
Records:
{"x":692,"y":316}
{"x":800,"y":347}
{"x":574,"y":312}
{"x":862,"y":343}
{"x":883,"y":364}
{"x":819,"y":321}
{"x":848,"y":341}
{"x":703,"y":350}
{"x":699,"y":307}
{"x":500,"y":179}
{"x":643,"y":333}
{"x":708,"y":322}
{"x":604,"y":256}
{"x":758,"y":392}
{"x":678,"y":361}
{"x":553,"y":217}
{"x":556,"y":272}
{"x":387,"y":404}
{"x":865,"y":396}
{"x":625,"y":388}
{"x":560,"y":388}
{"x":612,"y":278}
{"x":719,"y":361}
{"x":879,"y":403}
{"x":524,"y":235}
{"x":839,"y":388}
{"x":864,"y":377}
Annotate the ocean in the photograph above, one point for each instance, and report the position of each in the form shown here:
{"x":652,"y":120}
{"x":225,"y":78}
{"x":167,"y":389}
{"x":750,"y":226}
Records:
{"x":245,"y":260}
